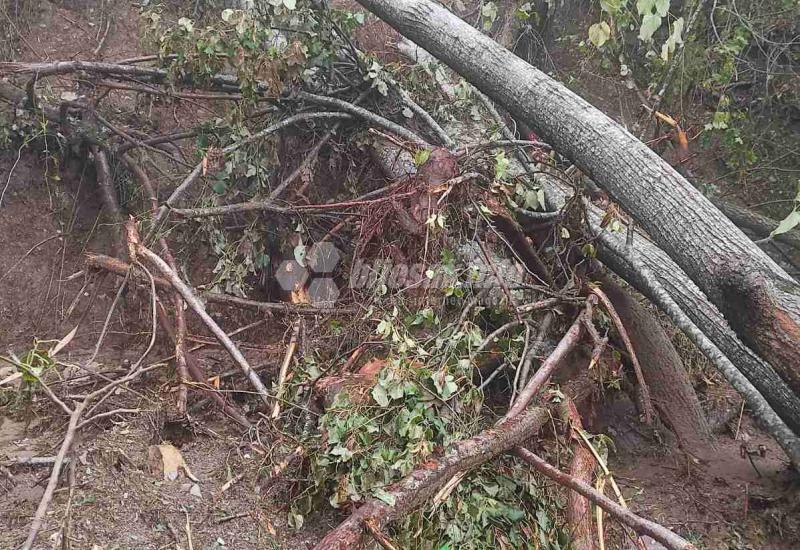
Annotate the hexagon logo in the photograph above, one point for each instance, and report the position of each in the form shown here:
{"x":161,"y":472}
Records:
{"x":322,"y":257}
{"x":291,"y":275}
{"x":323,"y":292}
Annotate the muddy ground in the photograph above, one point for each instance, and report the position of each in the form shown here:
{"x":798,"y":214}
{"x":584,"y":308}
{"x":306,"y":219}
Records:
{"x":743,"y":498}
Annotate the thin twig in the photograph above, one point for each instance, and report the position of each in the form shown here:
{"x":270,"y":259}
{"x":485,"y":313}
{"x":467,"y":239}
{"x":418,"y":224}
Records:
{"x":378,"y":535}
{"x":535,"y":348}
{"x":637,"y":523}
{"x":649,"y":412}
{"x":197,"y":306}
{"x":287,"y":359}
{"x":198,"y":170}
{"x":47,"y":497}
{"x":500,"y":281}
{"x":564,"y":347}
{"x":369,"y":116}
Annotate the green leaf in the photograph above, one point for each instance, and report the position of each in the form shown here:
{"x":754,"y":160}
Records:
{"x":612,"y":6}
{"x":599,"y":33}
{"x":290,"y":4}
{"x":501,"y":163}
{"x":421,"y":157}
{"x":380,"y":396}
{"x":650,"y":24}
{"x":226,"y":14}
{"x":645,"y":7}
{"x":219,"y":188}
{"x":662,"y":7}
{"x":385,"y":496}
{"x":489,"y":13}
{"x":675,"y":38}
{"x":788,"y":223}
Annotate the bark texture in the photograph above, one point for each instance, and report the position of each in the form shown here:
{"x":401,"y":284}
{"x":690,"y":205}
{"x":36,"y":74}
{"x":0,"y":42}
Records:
{"x":759,"y":224}
{"x":671,"y":390}
{"x":579,"y":510}
{"x":760,"y":301}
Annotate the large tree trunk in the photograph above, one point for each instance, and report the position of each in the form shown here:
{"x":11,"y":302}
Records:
{"x":670,"y":386}
{"x":765,"y":382}
{"x":759,"y":300}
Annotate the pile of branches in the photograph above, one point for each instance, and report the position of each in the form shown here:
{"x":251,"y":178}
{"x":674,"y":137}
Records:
{"x":540,"y":216}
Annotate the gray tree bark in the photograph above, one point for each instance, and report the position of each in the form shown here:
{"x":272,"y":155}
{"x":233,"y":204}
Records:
{"x":759,"y":300}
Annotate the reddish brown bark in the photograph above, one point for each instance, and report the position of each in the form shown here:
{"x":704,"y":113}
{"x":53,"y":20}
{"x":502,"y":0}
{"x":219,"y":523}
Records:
{"x":670,"y":388}
{"x":579,"y":510}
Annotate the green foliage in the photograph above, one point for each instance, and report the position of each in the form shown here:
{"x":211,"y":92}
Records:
{"x":488,"y":15}
{"x":276,"y":44}
{"x":724,"y":58}
{"x":792,"y":220}
{"x":35,"y":363}
{"x":236,"y":259}
{"x":599,"y":33}
{"x":422,"y":401}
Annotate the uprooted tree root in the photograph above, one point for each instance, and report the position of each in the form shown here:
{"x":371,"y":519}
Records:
{"x":426,"y":200}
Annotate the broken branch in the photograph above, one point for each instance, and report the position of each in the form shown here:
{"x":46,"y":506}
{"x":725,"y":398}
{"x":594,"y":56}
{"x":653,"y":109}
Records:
{"x":197,"y":306}
{"x":637,"y":523}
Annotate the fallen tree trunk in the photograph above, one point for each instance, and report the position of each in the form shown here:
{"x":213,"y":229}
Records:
{"x":780,"y":412}
{"x":759,"y":300}
{"x":767,"y":396}
{"x":670,"y":387}
{"x":760,"y":225}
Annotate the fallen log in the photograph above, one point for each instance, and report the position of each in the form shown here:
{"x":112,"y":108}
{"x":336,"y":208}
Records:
{"x":670,"y":388}
{"x":693,"y":302}
{"x":759,"y":300}
{"x":650,"y":271}
{"x":760,"y":225}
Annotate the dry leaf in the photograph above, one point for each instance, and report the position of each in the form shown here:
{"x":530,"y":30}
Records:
{"x":300,"y":296}
{"x":169,"y":460}
{"x":63,"y":342}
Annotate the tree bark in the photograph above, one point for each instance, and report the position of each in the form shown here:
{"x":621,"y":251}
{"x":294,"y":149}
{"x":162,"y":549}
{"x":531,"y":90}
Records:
{"x":670,"y":388}
{"x":760,"y":225}
{"x":579,"y":510}
{"x":759,"y":300}
{"x":781,"y":416}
